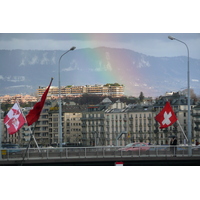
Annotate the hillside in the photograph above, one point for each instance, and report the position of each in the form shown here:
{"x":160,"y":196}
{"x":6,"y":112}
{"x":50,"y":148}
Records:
{"x":23,"y":71}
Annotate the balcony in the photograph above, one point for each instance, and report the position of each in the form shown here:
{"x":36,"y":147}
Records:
{"x":197,"y":122}
{"x":197,"y":115}
{"x":197,"y":128}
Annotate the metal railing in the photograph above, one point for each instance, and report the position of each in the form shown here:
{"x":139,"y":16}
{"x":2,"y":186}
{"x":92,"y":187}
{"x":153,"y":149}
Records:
{"x":96,"y":152}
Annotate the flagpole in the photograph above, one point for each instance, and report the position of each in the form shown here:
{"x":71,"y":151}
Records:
{"x":29,"y":126}
{"x":34,"y":139}
{"x":182,"y":130}
{"x":29,"y":144}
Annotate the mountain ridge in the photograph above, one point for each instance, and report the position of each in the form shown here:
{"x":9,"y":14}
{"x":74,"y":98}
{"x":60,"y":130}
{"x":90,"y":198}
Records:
{"x":23,"y":71}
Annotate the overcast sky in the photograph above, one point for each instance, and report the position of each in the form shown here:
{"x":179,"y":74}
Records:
{"x":154,"y":44}
{"x":87,"y":24}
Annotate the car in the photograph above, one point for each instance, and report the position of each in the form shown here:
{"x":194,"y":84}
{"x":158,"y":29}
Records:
{"x":197,"y":147}
{"x":138,"y":146}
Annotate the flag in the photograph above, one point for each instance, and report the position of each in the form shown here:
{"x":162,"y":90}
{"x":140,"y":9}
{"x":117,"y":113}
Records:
{"x":34,"y":114}
{"x":14,"y":119}
{"x":166,"y":117}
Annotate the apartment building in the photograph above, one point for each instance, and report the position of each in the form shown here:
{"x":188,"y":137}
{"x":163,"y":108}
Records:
{"x":71,"y":124}
{"x":134,"y":121}
{"x":179,"y":104}
{"x":115,"y":91}
{"x":76,"y":91}
{"x":104,"y":122}
{"x":140,"y":123}
{"x":93,"y":124}
{"x":101,"y":124}
{"x":196,"y":123}
{"x":18,"y":97}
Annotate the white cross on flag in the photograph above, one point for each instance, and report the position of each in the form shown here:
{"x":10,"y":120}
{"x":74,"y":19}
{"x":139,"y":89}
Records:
{"x":14,"y":119}
{"x":166,"y":117}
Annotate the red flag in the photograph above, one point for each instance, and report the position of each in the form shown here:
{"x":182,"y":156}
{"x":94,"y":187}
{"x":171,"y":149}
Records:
{"x":34,"y":114}
{"x":14,"y":119}
{"x":166,"y":117}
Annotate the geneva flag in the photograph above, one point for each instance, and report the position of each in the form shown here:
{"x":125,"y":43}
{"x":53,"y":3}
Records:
{"x":14,"y":119}
{"x":166,"y":117}
{"x":34,"y":114}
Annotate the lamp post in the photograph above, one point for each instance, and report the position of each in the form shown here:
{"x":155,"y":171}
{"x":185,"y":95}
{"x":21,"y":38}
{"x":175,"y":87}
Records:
{"x":189,"y":117}
{"x":60,"y":106}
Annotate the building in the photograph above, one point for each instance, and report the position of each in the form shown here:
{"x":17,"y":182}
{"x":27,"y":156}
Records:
{"x":179,"y":104}
{"x":71,"y":124}
{"x":101,"y":124}
{"x":93,"y":124}
{"x":18,"y":97}
{"x":113,"y":90}
{"x":140,"y":123}
{"x":196,"y":123}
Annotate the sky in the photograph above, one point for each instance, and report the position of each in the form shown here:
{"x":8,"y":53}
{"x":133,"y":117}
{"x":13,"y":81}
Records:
{"x":141,"y":26}
{"x":153,"y":44}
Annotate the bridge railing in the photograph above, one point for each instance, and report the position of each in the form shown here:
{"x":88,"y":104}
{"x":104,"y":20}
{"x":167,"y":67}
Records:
{"x":96,"y":152}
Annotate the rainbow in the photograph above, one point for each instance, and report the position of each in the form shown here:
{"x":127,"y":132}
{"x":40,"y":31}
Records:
{"x":108,"y":67}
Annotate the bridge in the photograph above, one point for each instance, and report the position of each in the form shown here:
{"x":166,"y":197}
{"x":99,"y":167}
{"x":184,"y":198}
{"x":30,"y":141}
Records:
{"x":157,"y":155}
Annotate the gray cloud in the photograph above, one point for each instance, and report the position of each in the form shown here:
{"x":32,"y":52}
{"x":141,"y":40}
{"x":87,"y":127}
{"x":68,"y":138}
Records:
{"x":153,"y":44}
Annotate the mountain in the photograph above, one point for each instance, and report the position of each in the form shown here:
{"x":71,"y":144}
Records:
{"x":23,"y":71}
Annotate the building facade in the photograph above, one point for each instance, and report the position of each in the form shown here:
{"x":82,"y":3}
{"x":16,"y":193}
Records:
{"x":77,"y":91}
{"x":100,"y":125}
{"x":18,"y":97}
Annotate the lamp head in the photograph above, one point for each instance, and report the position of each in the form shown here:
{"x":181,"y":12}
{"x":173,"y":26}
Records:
{"x":171,"y":38}
{"x":72,"y":48}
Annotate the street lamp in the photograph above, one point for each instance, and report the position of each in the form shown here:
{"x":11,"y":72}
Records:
{"x":188,"y":77}
{"x":60,"y":107}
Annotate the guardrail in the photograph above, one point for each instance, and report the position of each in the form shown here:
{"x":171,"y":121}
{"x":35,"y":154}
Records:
{"x":95,"y":152}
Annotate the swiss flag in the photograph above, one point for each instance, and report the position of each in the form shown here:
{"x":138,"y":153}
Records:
{"x":14,"y":119}
{"x":166,"y":117}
